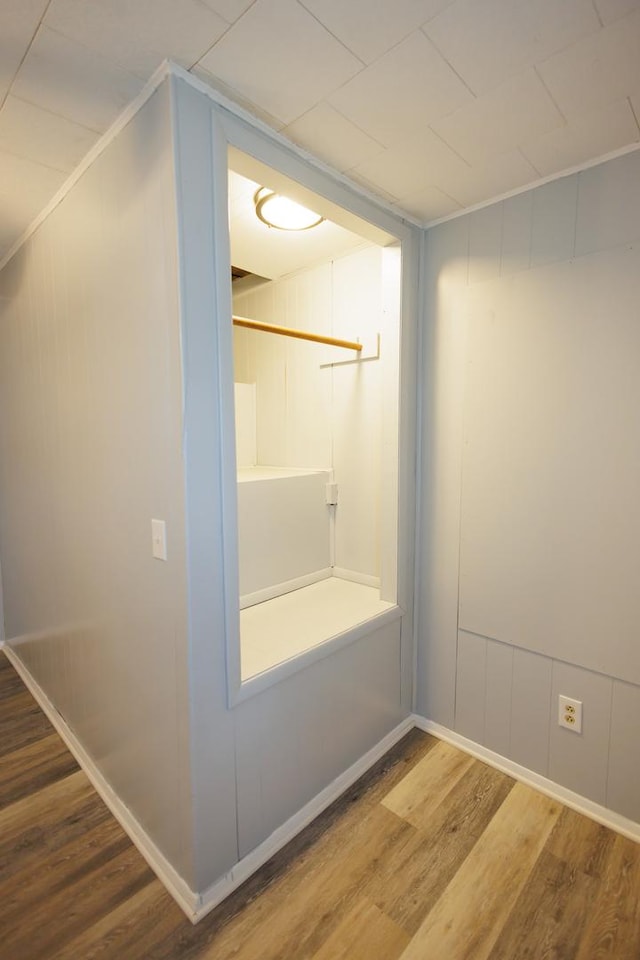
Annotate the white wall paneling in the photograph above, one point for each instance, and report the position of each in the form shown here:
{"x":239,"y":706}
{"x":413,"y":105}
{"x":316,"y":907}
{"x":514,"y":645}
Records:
{"x":530,"y":519}
{"x":90,"y":440}
{"x":361,"y":683}
{"x":117,"y":406}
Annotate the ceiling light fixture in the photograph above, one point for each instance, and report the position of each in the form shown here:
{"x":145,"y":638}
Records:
{"x":282,"y":213}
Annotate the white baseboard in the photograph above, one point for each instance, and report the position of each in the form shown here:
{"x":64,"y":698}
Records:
{"x":186,"y":898}
{"x":216,"y":893}
{"x":196,"y":905}
{"x":354,"y":577}
{"x":595,"y":811}
{"x":287,"y":586}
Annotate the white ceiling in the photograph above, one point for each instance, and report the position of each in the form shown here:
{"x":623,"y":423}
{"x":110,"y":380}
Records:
{"x":434,"y":105}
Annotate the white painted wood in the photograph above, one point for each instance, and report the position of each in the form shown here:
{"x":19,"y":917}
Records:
{"x":530,"y":710}
{"x":553,"y":227}
{"x":289,"y":624}
{"x":297,"y":736}
{"x":595,"y":811}
{"x":185,"y":897}
{"x":498,"y":697}
{"x":471,"y":686}
{"x":549,"y":514}
{"x":609,"y":205}
{"x":283,"y":530}
{"x":579,"y":760}
{"x":623,"y":784}
{"x":515,"y":251}
{"x":442,"y":367}
{"x":278,"y":589}
{"x":210,"y":475}
{"x":485,"y":241}
{"x":245,"y":413}
{"x":283,"y":834}
{"x":91,"y":386}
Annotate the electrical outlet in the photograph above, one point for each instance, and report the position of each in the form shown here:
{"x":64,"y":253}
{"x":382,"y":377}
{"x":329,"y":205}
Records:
{"x":570,"y":714}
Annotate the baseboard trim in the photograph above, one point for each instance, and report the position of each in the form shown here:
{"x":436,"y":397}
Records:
{"x":197,"y":905}
{"x":595,"y":811}
{"x":186,"y":898}
{"x":216,"y":893}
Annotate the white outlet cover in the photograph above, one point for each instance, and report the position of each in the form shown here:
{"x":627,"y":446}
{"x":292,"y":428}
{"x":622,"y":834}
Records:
{"x":570,"y":714}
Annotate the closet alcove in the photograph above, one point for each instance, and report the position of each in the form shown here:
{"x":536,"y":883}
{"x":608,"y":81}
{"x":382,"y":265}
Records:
{"x":316,"y":316}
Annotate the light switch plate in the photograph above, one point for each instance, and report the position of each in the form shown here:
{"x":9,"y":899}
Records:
{"x":159,"y":539}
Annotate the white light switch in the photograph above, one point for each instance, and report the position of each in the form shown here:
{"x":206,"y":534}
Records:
{"x":159,"y":539}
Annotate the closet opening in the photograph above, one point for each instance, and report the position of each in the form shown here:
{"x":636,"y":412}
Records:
{"x":316,"y":331}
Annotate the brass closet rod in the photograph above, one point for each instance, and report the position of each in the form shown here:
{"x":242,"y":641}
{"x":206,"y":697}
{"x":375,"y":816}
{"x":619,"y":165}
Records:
{"x":298,"y":334}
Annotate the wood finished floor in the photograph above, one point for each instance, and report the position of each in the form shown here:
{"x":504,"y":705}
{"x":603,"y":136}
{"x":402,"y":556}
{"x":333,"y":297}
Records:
{"x":431,"y":855}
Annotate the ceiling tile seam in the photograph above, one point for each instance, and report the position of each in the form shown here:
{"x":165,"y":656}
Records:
{"x":36,"y":163}
{"x":52,"y":113}
{"x":230,"y":95}
{"x":336,"y":38}
{"x":64,"y":116}
{"x":635,"y":115}
{"x":534,"y":184}
{"x":323,"y":100}
{"x":218,"y":39}
{"x":353,"y":124}
{"x":448,"y":145}
{"x":597,"y":12}
{"x":142,"y":77}
{"x":522,"y":151}
{"x":25,"y":55}
{"x":548,"y":92}
{"x":448,"y":63}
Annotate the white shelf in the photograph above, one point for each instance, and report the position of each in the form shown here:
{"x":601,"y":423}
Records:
{"x":285,"y":627}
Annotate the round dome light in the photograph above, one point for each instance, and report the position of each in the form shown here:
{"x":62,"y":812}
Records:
{"x":282,"y":213}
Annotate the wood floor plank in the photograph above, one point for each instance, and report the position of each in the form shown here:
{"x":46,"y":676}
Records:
{"x":613,"y":930}
{"x":33,"y":767}
{"x":325,"y":887}
{"x":412,"y":877}
{"x":53,"y":870}
{"x":365,"y":932}
{"x":24,"y":728}
{"x":425,"y":787}
{"x":47,"y":820}
{"x":131,"y":930}
{"x":550,"y":914}
{"x":468,"y":918}
{"x":581,"y":842}
{"x":431,"y":854}
{"x":72,"y":909}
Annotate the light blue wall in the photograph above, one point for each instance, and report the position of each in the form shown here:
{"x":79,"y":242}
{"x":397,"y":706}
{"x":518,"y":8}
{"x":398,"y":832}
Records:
{"x":531,"y":465}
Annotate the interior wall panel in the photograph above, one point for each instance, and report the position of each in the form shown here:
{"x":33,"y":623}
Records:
{"x":623,"y":785}
{"x":534,"y":541}
{"x":90,"y":451}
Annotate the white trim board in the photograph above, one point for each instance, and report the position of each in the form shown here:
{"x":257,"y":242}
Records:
{"x":186,"y":898}
{"x":216,"y":893}
{"x":595,"y":811}
{"x":193,"y":904}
